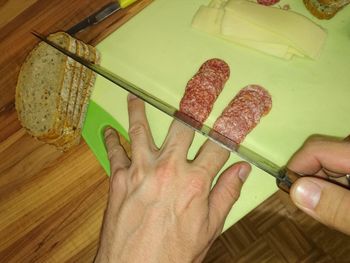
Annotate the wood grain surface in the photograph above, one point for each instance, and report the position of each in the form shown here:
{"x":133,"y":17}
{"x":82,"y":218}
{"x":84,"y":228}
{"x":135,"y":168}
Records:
{"x":52,"y":204}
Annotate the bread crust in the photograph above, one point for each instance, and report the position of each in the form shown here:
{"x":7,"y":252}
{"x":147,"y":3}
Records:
{"x":325,"y":9}
{"x":66,"y":124}
{"x":89,"y":82}
{"x":63,"y":110}
{"x":63,"y":95}
{"x":24,"y":101}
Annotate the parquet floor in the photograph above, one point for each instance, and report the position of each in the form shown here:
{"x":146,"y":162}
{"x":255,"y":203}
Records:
{"x":276,"y":231}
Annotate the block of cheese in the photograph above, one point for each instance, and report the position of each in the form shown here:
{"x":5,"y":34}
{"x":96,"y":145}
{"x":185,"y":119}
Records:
{"x":271,"y":30}
{"x":209,"y":19}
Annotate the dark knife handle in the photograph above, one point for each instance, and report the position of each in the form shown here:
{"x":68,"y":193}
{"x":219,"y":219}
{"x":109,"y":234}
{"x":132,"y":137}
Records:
{"x":286,"y":179}
{"x":95,"y":18}
{"x":81,"y":25}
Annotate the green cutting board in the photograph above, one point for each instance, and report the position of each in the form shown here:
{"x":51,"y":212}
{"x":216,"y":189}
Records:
{"x":159,"y":51}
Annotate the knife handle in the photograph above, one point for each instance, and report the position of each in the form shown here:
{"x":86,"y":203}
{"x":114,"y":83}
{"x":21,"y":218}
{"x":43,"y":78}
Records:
{"x":286,"y":179}
{"x":126,"y":3}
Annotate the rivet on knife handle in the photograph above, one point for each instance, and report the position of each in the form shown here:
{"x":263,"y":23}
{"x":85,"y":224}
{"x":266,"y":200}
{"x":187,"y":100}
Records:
{"x":286,"y":179}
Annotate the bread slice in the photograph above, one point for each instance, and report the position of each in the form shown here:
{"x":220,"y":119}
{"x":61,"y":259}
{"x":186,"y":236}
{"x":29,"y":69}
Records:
{"x":74,"y":92}
{"x":53,"y":91}
{"x":70,"y":139}
{"x":81,"y":108}
{"x":90,"y":85}
{"x":325,"y":9}
{"x":86,"y":74}
{"x":69,"y":126}
{"x":66,"y":122}
{"x":339,"y":3}
{"x":38,"y":86}
{"x":64,"y":94}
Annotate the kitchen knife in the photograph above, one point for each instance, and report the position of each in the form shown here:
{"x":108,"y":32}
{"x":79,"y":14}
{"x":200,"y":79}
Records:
{"x":284,"y":177}
{"x":100,"y":15}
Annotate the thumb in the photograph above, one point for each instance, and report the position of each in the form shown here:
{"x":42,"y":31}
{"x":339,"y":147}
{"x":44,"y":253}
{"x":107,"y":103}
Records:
{"x":324,"y":201}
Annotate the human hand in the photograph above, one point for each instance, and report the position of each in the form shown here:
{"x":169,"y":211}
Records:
{"x":324,"y":201}
{"x":161,"y":207}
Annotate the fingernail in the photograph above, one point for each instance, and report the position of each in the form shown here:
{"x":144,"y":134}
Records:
{"x":307,"y":194}
{"x":131,"y":96}
{"x":243,"y":172}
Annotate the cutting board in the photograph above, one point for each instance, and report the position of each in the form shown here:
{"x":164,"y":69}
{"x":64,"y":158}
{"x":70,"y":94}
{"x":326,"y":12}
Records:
{"x":159,"y":51}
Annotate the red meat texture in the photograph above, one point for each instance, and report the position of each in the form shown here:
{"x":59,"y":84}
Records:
{"x":267,"y":2}
{"x":203,"y":89}
{"x":243,"y":113}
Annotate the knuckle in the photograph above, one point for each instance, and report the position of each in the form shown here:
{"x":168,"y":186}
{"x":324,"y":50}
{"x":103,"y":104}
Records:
{"x":115,"y":149}
{"x":137,"y":128}
{"x":165,"y":171}
{"x":118,"y":181}
{"x":198,"y":185}
{"x":203,"y":169}
{"x":170,"y":149}
{"x":232,"y":193}
{"x":137,"y":175}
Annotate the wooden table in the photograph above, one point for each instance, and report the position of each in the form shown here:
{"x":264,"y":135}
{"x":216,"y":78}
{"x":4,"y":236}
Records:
{"x":51,"y":204}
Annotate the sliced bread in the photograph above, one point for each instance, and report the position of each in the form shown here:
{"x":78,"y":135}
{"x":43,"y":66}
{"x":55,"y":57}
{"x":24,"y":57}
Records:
{"x":53,"y":91}
{"x":63,"y":96}
{"x":85,"y":93}
{"x":38,"y":87}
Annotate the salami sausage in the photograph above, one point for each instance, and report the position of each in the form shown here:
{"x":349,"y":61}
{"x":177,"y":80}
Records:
{"x":243,"y":113}
{"x":268,"y":2}
{"x":203,"y":89}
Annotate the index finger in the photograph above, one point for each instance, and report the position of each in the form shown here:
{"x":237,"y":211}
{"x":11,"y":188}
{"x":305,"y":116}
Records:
{"x":319,"y":153}
{"x":116,"y":154}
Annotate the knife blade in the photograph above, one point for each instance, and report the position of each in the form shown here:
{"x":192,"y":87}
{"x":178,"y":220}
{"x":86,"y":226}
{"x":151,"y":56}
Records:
{"x":284,"y":177}
{"x":100,"y":15}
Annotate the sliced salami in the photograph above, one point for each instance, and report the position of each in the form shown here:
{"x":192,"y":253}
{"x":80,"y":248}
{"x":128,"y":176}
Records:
{"x":203,"y":89}
{"x":243,"y":113}
{"x":268,"y":2}
{"x":217,"y":65}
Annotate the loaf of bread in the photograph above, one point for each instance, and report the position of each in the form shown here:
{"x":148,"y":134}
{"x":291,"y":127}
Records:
{"x":325,"y":9}
{"x":53,"y":91}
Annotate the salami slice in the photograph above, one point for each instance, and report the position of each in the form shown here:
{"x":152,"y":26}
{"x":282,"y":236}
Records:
{"x":243,"y":113}
{"x":268,"y":2}
{"x":203,"y":89}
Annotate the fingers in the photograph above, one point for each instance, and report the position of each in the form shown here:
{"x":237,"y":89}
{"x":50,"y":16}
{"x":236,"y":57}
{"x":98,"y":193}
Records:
{"x":178,"y":140}
{"x":324,"y":201}
{"x":211,"y":157}
{"x":226,"y":191}
{"x":320,"y":153}
{"x":142,"y":143}
{"x":116,"y":154}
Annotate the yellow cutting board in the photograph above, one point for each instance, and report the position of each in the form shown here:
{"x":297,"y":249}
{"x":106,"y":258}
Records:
{"x":159,"y":51}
